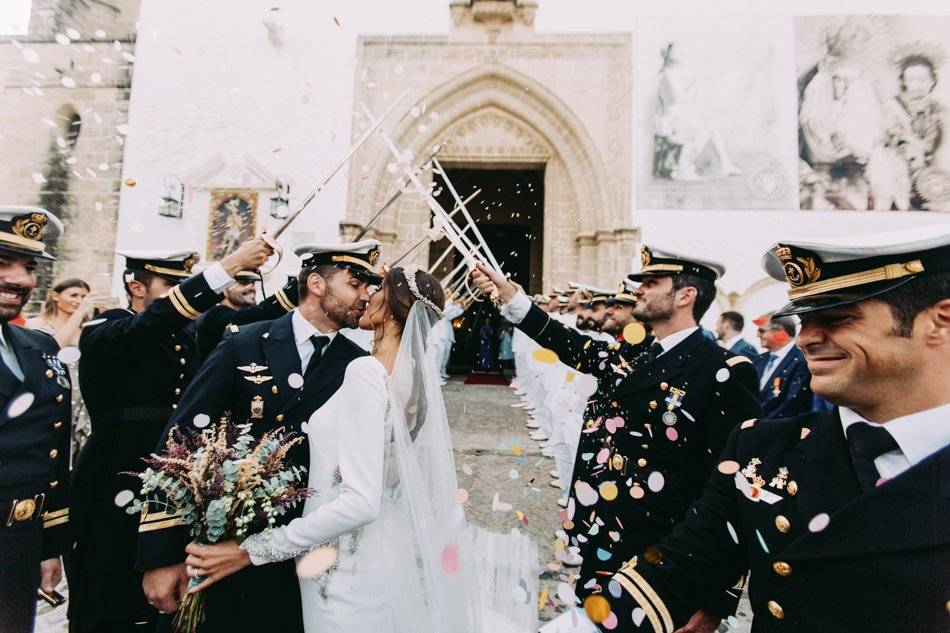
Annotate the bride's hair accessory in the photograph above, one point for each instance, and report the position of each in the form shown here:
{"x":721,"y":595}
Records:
{"x":409,"y":272}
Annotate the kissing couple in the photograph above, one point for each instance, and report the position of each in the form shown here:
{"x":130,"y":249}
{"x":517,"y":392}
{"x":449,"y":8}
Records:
{"x":382,"y":543}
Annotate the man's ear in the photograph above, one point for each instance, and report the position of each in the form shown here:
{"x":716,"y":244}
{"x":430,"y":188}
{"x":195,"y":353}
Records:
{"x":136,"y":288}
{"x":937,"y":322}
{"x":688,"y":295}
{"x":317,"y":284}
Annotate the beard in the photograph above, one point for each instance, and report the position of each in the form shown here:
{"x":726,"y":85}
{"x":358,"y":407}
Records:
{"x":241,"y":299}
{"x":10,"y":307}
{"x":342,"y":315}
{"x":653,"y":311}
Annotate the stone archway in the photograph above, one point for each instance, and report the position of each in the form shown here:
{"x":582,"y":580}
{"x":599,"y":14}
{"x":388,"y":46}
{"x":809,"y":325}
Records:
{"x":493,"y":115}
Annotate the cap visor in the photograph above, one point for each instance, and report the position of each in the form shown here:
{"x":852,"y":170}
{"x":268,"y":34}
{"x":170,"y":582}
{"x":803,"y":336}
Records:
{"x":22,"y":251}
{"x":641,"y":276}
{"x":836,"y":300}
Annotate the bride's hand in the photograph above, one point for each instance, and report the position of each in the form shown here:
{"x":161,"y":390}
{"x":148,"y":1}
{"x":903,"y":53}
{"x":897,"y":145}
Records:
{"x":211,"y":563}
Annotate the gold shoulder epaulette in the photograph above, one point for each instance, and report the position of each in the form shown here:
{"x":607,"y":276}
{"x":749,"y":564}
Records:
{"x":736,"y":360}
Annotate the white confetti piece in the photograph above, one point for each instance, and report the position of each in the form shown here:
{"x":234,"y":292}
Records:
{"x":122,"y":128}
{"x":513,"y":474}
{"x":732,"y":532}
{"x":722,"y":375}
{"x":99,"y":33}
{"x":565,"y":593}
{"x":765,"y":548}
{"x":62,"y":39}
{"x":819,"y":522}
{"x":201,"y":420}
{"x":124,"y":498}
{"x":20,"y":404}
{"x":39,"y":178}
{"x":638,"y":615}
{"x":73,"y":34}
{"x":655,"y":481}
{"x":585,"y":494}
{"x":295,"y":381}
{"x":103,"y":166}
{"x":467,"y":469}
{"x":69,"y":354}
{"x":95,"y":78}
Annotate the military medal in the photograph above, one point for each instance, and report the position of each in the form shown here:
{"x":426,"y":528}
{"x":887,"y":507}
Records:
{"x":257,"y":408}
{"x":258,"y":379}
{"x":776,"y":387}
{"x":673,"y":401}
{"x":779,"y":480}
{"x":253,"y":368}
{"x":57,"y":369}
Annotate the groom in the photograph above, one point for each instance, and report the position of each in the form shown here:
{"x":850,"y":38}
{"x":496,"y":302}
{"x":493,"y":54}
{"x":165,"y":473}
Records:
{"x":269,"y":374}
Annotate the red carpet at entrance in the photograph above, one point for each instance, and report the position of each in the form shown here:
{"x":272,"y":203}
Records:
{"x":487,"y":378}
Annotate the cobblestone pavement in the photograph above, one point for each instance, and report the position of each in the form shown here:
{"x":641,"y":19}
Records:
{"x":493,"y":456}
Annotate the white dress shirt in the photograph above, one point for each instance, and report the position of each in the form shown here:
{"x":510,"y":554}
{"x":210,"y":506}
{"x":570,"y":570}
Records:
{"x":780,"y":355}
{"x":918,"y":436}
{"x":674,"y":339}
{"x":730,"y":342}
{"x":303,"y":330}
{"x":9,"y":356}
{"x":217,"y":278}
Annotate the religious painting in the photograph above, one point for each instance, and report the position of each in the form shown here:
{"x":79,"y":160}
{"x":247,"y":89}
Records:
{"x":232,"y":220}
{"x":714,"y":113}
{"x":872,"y":112}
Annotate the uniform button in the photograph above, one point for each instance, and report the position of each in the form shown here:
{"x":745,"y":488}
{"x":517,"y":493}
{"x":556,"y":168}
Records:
{"x":53,"y":453}
{"x":59,"y":398}
{"x":53,"y":484}
{"x":57,"y":425}
{"x":653,"y":404}
{"x":664,"y":386}
{"x":280,"y":417}
{"x":178,"y":348}
{"x":641,"y":463}
{"x":181,"y":376}
{"x":182,"y":360}
{"x":177,"y":391}
{"x":174,"y":406}
{"x":49,"y":373}
{"x":782,"y":568}
{"x":782,"y":524}
{"x":273,"y":389}
{"x":776,"y":610}
{"x":792,"y":488}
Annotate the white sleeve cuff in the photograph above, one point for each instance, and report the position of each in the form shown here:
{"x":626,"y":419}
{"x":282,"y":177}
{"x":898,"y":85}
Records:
{"x":517,"y":309}
{"x":217,"y":278}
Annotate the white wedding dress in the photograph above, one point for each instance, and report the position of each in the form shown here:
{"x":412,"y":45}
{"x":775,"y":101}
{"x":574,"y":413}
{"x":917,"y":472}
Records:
{"x":382,"y":545}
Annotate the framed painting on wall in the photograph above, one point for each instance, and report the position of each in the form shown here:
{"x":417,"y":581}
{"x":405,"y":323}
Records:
{"x":232,"y":219}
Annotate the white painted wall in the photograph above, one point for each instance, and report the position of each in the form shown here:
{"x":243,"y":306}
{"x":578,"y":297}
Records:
{"x":208,"y":80}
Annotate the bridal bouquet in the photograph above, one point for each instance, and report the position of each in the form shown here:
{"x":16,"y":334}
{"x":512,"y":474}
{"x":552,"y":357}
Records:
{"x":226,"y":484}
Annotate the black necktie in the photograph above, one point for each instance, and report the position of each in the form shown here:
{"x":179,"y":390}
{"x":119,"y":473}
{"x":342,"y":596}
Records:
{"x":867,"y":443}
{"x":655,"y":350}
{"x":319,"y":342}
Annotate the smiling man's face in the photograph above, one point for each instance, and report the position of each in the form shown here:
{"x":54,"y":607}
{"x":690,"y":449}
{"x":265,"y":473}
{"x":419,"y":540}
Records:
{"x":855,"y":353}
{"x":17,"y":280}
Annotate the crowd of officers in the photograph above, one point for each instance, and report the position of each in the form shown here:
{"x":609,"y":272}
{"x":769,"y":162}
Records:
{"x":839,"y":515}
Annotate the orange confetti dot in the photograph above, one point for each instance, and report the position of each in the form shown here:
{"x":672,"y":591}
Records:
{"x":597,"y":608}
{"x":130,"y":182}
{"x":729,"y":467}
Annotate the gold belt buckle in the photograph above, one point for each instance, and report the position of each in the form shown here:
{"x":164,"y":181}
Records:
{"x":24,"y":509}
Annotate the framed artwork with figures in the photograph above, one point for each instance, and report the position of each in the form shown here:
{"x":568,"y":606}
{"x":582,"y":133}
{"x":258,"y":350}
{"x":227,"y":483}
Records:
{"x":232,"y":219}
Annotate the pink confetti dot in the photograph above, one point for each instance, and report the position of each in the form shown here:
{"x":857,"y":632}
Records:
{"x":611,"y":622}
{"x":672,"y":434}
{"x":450,"y":558}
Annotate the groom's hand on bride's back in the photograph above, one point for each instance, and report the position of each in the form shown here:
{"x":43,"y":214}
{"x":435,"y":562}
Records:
{"x":165,"y":587}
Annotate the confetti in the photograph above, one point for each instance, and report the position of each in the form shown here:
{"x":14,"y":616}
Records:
{"x":608,"y":490}
{"x":450,"y":558}
{"x":732,"y":532}
{"x":62,"y":39}
{"x":124,"y":498}
{"x":122,"y":128}
{"x":637,"y":492}
{"x":513,"y":474}
{"x":597,"y":608}
{"x":69,"y":354}
{"x":585,"y":494}
{"x":19,"y":405}
{"x":614,"y":588}
{"x":103,"y":166}
{"x":652,"y":555}
{"x":638,"y":615}
{"x":295,"y":381}
{"x":655,"y":481}
{"x":672,"y":434}
{"x":819,"y":522}
{"x":39,"y":178}
{"x":467,"y":469}
{"x":565,"y":593}
{"x":73,"y":34}
{"x":765,"y":548}
{"x":201,"y":420}
{"x":519,"y":593}
{"x":337,"y":21}
{"x":461,"y":496}
{"x":728,"y":467}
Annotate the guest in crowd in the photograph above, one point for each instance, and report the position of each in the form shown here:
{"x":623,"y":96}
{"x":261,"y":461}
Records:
{"x":729,"y":332}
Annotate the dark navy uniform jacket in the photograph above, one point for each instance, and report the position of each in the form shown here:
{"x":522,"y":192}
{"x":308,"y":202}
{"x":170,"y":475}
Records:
{"x":660,"y":427}
{"x":246,"y":377}
{"x":825,"y":556}
{"x":787,"y":392}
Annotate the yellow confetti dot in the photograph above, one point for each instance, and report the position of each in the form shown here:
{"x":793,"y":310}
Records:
{"x":545,"y":355}
{"x":570,"y":377}
{"x":608,"y":491}
{"x":558,"y":545}
{"x":543,"y":598}
{"x":634,"y":333}
{"x":516,"y":450}
{"x":130,"y":182}
{"x":597,"y":608}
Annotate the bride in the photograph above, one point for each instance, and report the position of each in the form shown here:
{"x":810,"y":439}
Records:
{"x":383,"y":544}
